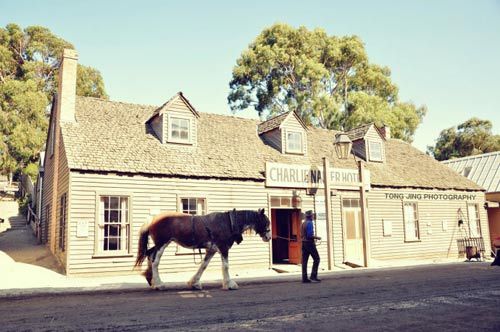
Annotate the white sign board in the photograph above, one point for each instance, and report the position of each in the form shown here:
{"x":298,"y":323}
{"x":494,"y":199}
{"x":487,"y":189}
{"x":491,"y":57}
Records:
{"x":82,"y":228}
{"x":306,"y":176}
{"x":320,"y":222}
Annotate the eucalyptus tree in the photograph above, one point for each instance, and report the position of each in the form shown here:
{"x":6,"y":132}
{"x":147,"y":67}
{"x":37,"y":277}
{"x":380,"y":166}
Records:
{"x":471,"y":137}
{"x":327,"y":80}
{"x":29,"y":62}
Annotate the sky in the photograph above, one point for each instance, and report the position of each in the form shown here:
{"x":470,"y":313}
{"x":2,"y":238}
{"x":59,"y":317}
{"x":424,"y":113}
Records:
{"x":442,"y":54}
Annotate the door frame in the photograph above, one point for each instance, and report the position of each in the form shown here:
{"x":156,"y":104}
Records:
{"x":293,"y":211}
{"x":344,"y":228}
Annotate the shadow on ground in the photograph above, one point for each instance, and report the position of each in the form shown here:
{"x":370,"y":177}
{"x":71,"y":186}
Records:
{"x":22,"y":246}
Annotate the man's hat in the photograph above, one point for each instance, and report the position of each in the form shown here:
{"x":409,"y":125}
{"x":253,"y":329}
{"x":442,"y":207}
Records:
{"x":309,"y":213}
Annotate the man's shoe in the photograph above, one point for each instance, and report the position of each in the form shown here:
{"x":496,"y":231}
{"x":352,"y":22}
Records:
{"x":316,"y":279}
{"x":305,"y":281}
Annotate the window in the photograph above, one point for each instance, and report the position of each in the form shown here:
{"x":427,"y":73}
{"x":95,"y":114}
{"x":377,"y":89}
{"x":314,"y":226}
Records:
{"x":52,"y":138}
{"x":48,"y":216}
{"x":294,"y":142}
{"x":179,"y":130}
{"x":375,"y":150}
{"x":114,"y":224}
{"x":474,"y":221}
{"x":467,"y":171}
{"x":411,"y":221}
{"x":193,"y":206}
{"x":281,"y":202}
{"x":62,"y":223}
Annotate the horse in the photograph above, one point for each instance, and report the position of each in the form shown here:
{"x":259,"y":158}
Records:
{"x":216,"y":232}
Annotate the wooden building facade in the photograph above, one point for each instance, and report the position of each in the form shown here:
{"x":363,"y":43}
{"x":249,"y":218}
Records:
{"x":484,"y":170}
{"x":110,"y":166}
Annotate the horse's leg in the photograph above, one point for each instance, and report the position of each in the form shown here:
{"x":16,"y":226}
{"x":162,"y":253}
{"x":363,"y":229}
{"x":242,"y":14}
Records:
{"x":195,"y":280}
{"x":148,"y":273}
{"x":156,"y":282}
{"x":227,"y":282}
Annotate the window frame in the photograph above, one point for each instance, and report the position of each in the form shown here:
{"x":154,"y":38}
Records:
{"x":52,"y":138}
{"x":300,"y":150}
{"x":48,"y":216}
{"x":477,"y":219}
{"x":370,"y":150}
{"x":416,"y":222}
{"x":179,"y":140}
{"x":63,"y":213}
{"x":99,"y":227}
{"x":179,"y":250}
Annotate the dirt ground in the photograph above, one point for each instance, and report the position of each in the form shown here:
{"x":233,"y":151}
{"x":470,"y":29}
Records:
{"x":457,"y":297}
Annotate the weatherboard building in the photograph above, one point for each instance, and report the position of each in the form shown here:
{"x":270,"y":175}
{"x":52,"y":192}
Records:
{"x":111,"y":166}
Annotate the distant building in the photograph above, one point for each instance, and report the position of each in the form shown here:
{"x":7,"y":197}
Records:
{"x":110,"y":166}
{"x":483,"y":169}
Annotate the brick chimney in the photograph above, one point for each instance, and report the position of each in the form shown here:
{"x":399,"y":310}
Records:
{"x":66,"y":91}
{"x":386,"y":131}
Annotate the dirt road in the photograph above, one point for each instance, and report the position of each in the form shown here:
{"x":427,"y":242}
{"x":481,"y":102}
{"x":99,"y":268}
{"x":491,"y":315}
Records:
{"x":458,"y":297}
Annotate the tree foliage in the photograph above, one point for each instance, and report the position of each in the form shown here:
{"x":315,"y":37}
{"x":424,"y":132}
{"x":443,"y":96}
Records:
{"x":29,"y":62}
{"x":327,"y":80}
{"x":472,"y":137}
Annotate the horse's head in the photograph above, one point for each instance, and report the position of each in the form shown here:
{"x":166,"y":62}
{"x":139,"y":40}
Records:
{"x":262,"y":226}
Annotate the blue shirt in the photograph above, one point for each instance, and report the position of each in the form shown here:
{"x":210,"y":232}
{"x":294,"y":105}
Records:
{"x":309,"y":229}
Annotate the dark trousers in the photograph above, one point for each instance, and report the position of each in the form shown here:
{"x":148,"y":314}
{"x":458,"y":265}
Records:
{"x":309,"y":248}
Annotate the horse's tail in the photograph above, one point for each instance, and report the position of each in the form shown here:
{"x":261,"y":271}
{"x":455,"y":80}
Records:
{"x":143,"y":245}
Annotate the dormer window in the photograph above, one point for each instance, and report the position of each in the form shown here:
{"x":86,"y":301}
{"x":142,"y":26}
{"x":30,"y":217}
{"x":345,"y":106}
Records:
{"x":375,"y":150}
{"x":294,"y":142}
{"x":179,"y":129}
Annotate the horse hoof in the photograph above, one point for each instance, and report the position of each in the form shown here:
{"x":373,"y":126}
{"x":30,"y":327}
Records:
{"x":196,"y":286}
{"x":159,"y":287}
{"x":231,"y":285}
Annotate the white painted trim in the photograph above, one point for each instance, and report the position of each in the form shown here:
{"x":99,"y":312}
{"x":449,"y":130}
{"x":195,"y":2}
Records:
{"x":189,"y":141}
{"x":98,"y":253}
{"x":370,"y":157}
{"x":292,"y":151}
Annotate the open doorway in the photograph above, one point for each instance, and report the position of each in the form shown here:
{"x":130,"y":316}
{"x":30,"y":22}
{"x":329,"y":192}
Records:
{"x":286,"y":236}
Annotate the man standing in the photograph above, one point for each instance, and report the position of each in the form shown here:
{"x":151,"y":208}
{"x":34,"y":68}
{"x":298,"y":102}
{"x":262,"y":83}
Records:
{"x":309,"y":248}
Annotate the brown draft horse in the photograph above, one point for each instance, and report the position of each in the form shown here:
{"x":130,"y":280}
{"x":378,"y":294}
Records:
{"x":216,"y":232}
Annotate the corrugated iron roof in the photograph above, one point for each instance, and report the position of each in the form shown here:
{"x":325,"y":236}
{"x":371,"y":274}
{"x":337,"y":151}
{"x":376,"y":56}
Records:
{"x":483,"y":169}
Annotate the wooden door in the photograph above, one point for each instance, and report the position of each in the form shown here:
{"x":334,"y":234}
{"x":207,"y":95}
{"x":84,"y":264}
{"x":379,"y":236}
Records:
{"x":295,"y":244}
{"x":353,"y":236}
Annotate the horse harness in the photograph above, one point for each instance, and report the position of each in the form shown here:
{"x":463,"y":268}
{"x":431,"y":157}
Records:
{"x":209,"y":232}
{"x":233,"y":226}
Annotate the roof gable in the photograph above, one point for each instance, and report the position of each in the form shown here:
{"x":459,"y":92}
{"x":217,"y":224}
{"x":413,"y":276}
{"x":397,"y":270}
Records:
{"x":361,"y":131}
{"x":278,"y":121}
{"x":176,"y":98}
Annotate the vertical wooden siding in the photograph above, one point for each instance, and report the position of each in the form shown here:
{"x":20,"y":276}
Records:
{"x":273,"y":138}
{"x":157,"y":126}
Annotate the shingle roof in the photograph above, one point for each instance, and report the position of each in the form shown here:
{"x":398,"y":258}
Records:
{"x":360,"y":132}
{"x":168,"y":102}
{"x":483,"y":169}
{"x":272,"y":123}
{"x":113,"y":136}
